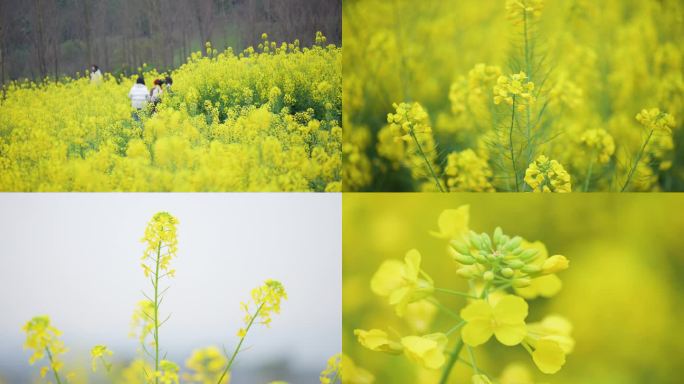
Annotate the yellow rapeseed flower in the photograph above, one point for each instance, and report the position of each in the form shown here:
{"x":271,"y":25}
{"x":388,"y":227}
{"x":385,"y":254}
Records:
{"x":403,"y":283}
{"x":428,"y":350}
{"x":505,"y":319}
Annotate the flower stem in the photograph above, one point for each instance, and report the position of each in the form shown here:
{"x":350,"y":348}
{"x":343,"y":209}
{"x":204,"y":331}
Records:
{"x":472,"y":360}
{"x":510,"y":142}
{"x":453,"y":357}
{"x":156,"y":314}
{"x":588,"y":179}
{"x":52,"y":364}
{"x":237,"y":348}
{"x":636,"y":163}
{"x":427,"y":162}
{"x":457,"y":293}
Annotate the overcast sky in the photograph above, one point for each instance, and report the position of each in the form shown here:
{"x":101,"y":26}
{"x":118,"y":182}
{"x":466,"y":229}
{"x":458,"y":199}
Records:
{"x":76,"y":257}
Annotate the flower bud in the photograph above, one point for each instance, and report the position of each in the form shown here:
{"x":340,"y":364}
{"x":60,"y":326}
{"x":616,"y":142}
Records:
{"x":555,"y":263}
{"x":463,"y":259}
{"x":498,"y":235}
{"x":521,"y":282}
{"x":486,"y":241}
{"x":528,"y":254}
{"x":531,"y":268}
{"x":512,"y":244}
{"x":488,"y":276}
{"x":460,"y":247}
{"x":507,"y":272}
{"x":515,"y":264}
{"x":467,"y":272}
{"x":482,"y":259}
{"x":475,"y":240}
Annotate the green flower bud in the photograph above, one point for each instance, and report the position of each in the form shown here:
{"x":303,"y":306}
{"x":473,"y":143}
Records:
{"x":528,"y":254}
{"x":467,"y":272}
{"x":488,"y":276}
{"x":512,"y":244}
{"x":482,"y":259}
{"x":531,"y":268}
{"x":498,"y":235}
{"x":463,"y":259}
{"x":460,"y":247}
{"x":486,"y":241}
{"x":516,"y":264}
{"x":475,"y":240}
{"x":507,"y":272}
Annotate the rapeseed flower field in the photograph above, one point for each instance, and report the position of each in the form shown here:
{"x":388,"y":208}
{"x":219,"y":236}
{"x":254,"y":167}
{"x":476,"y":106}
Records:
{"x":266,"y":119}
{"x":513,"y":95}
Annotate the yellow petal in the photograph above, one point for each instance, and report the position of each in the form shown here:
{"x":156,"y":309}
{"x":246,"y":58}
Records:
{"x":412,"y":268}
{"x":549,"y":356}
{"x":510,"y":310}
{"x":555,"y":263}
{"x":453,"y":223}
{"x":478,"y":309}
{"x":477,"y":332}
{"x":387,"y":278}
{"x":510,"y":334}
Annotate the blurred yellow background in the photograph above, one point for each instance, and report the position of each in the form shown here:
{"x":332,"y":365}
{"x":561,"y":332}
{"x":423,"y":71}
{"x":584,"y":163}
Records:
{"x":623,"y":291}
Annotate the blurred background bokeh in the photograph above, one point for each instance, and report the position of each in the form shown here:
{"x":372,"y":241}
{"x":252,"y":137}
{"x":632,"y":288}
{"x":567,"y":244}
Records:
{"x":596,"y":63}
{"x":623,"y":291}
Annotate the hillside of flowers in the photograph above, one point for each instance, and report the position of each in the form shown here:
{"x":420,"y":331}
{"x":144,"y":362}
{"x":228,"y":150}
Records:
{"x":265,"y":119}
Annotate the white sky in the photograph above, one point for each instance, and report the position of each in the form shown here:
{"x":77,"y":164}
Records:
{"x":76,"y":257}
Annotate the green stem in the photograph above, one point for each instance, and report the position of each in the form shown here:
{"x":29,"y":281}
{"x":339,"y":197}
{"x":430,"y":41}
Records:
{"x":636,"y":163}
{"x":457,"y":293}
{"x":422,"y":154}
{"x":444,"y":309}
{"x":237,"y":348}
{"x":472,"y":359}
{"x":455,"y":327}
{"x":588,"y":179}
{"x":156,"y":314}
{"x":510,"y":142}
{"x":453,"y":357}
{"x":52,"y":365}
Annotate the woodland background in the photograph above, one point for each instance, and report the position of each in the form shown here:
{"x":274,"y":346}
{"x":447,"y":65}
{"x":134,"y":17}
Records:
{"x":52,"y":38}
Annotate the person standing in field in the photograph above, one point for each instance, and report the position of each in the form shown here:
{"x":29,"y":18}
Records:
{"x":95,"y":75}
{"x":139,"y":97}
{"x":168,"y":81}
{"x":156,"y":93}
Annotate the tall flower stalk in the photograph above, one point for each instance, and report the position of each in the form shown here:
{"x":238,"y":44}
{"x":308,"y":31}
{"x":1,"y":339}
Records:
{"x":162,"y":246}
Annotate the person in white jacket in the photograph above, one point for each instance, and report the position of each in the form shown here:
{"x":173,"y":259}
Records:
{"x":95,"y":75}
{"x":139,"y":96}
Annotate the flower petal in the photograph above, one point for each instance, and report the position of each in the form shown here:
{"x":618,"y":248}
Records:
{"x":387,"y":278}
{"x":510,"y":310}
{"x":478,"y":309}
{"x":510,"y":334}
{"x":477,"y":332}
{"x":549,"y":356}
{"x":412,"y":268}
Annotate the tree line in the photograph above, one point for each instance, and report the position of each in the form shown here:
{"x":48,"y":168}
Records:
{"x":52,"y":38}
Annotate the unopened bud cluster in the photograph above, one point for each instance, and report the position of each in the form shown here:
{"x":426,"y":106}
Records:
{"x":500,"y":259}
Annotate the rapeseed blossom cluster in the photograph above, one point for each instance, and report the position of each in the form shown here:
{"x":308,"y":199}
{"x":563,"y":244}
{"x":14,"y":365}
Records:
{"x":503,"y":272}
{"x":514,"y":89}
{"x":575,"y":101}
{"x":465,"y":171}
{"x":43,"y":340}
{"x":546,"y":175}
{"x":265,"y":119}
